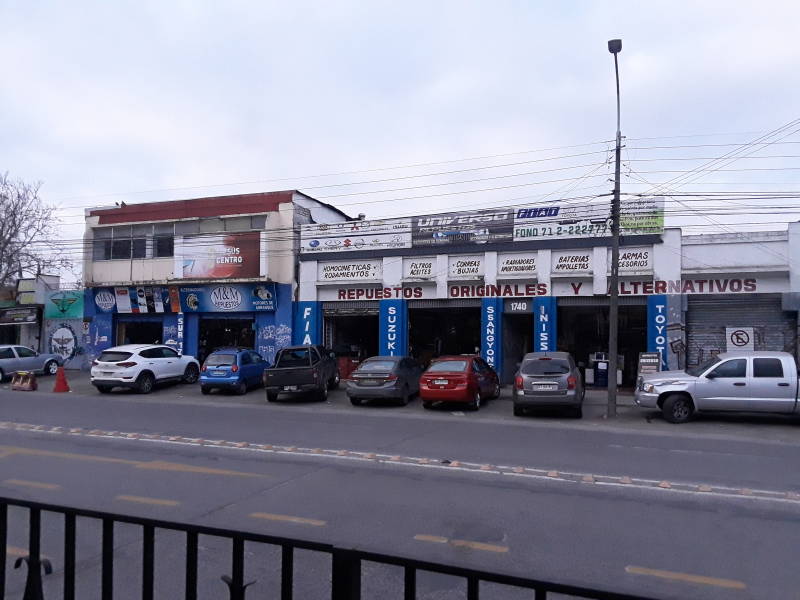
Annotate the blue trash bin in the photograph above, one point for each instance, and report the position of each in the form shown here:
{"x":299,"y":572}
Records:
{"x":601,"y":374}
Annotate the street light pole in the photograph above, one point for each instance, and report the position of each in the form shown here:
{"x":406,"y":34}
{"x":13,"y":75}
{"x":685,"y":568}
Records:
{"x":614,"y":46}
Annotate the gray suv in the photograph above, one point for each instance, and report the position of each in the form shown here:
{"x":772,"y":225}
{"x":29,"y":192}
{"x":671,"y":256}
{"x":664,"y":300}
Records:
{"x":548,"y":380}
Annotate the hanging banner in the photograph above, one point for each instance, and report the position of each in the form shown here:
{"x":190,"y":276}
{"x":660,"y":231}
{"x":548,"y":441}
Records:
{"x":350,"y":236}
{"x":123,"y":300}
{"x":657,"y":327}
{"x":393,"y":328}
{"x":218,"y":256}
{"x":545,"y":324}
{"x":307,"y":328}
{"x":492,"y":331}
{"x":463,"y":228}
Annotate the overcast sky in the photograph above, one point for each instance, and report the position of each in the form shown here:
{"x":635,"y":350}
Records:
{"x":102,"y":101}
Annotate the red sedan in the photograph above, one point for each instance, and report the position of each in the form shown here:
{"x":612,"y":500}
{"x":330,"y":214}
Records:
{"x":466,"y":379}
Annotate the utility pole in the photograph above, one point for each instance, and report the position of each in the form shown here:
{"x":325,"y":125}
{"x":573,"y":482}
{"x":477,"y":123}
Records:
{"x":615,"y":47}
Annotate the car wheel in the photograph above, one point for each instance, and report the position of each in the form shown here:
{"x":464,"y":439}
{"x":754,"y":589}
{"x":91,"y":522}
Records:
{"x":322,"y":395}
{"x":104,"y":389}
{"x":50,"y":367}
{"x":272,"y":397}
{"x":334,"y":383}
{"x":427,"y":405}
{"x":496,"y":393}
{"x":577,"y":412}
{"x":205,"y":390}
{"x":355,"y":401}
{"x":2,"y":376}
{"x":191,"y":374}
{"x":519,"y":411}
{"x":405,"y":397}
{"x":145,"y":383}
{"x":476,"y":402}
{"x":677,"y":408}
{"x":240,"y":388}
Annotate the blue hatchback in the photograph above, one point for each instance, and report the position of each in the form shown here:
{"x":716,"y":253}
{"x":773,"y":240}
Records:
{"x":235,"y":369}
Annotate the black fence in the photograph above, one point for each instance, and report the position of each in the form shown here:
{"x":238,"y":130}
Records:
{"x":346,"y":573}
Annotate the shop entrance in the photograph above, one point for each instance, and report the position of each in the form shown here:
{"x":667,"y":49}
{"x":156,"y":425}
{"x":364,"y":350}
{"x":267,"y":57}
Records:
{"x":517,"y":341}
{"x":218,"y":332}
{"x":8,"y":334}
{"x":352,"y":336}
{"x":583,"y":330}
{"x":139,"y":331}
{"x":448,"y":330}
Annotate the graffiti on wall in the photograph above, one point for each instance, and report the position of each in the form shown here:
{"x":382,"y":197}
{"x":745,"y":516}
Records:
{"x":271,"y":338}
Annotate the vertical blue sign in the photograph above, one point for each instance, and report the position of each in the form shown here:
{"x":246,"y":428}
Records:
{"x":307,"y":323}
{"x":492,"y":332}
{"x":393,"y":328}
{"x":545,"y":324}
{"x":657,"y":327}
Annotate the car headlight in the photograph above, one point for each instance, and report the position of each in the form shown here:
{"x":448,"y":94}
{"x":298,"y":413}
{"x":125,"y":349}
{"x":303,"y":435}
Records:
{"x":648,"y":388}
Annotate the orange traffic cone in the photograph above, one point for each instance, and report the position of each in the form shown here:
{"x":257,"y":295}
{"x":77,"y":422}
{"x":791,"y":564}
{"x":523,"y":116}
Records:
{"x":61,"y":381}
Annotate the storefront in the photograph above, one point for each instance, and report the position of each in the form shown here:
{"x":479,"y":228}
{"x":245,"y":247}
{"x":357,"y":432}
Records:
{"x":20,"y":325}
{"x":504,"y":283}
{"x":193,"y":319}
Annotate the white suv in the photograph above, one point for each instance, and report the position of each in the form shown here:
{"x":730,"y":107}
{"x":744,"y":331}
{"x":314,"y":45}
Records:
{"x":140,"y":366}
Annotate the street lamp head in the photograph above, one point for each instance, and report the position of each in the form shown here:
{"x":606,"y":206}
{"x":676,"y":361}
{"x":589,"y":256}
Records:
{"x":614,"y":46}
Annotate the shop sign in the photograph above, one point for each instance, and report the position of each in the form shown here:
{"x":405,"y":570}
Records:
{"x":740,"y":339}
{"x":179,"y":337}
{"x":520,"y":306}
{"x":571,"y":262}
{"x":519,"y":264}
{"x":105,"y":300}
{"x":352,"y":270}
{"x":393,"y":328}
{"x":463,"y":228}
{"x":218,"y":256}
{"x":517,"y":290}
{"x":465,"y":267}
{"x":634,"y":260}
{"x":649,"y":362}
{"x":64,"y":305}
{"x":234,"y":297}
{"x":544,"y":324}
{"x":492,"y":331}
{"x":565,"y":221}
{"x":419,"y":268}
{"x":657,"y":327}
{"x":307,"y":323}
{"x":349,"y":236}
{"x":19,"y":316}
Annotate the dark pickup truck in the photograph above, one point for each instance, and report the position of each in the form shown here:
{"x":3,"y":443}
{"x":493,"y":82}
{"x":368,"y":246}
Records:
{"x":302,"y":370}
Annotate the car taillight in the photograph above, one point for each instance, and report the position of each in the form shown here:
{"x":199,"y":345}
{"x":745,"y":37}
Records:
{"x":314,"y":374}
{"x":518,"y":382}
{"x":391,"y":377}
{"x":571,"y":382}
{"x":126,"y":364}
{"x":234,"y":368}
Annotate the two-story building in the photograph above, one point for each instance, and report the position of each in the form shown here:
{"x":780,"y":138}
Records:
{"x":196,"y":274}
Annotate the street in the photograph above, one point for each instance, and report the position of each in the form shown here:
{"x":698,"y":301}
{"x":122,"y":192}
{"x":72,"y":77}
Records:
{"x":703,"y":510}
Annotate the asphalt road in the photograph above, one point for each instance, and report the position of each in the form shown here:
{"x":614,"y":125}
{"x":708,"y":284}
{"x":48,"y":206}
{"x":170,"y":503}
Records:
{"x":705,"y":510}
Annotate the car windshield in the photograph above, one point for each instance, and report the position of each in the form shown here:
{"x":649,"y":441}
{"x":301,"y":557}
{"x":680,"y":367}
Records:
{"x":293,"y":358}
{"x":114,"y":356}
{"x":377,"y":365}
{"x":545,"y":366}
{"x":448,"y":366}
{"x":695,"y":371}
{"x":221,"y":359}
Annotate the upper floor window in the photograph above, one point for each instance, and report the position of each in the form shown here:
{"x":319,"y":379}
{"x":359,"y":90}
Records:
{"x":124,"y":242}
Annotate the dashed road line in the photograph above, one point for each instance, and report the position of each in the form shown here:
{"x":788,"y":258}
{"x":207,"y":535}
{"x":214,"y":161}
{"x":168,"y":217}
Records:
{"x":288,"y":519}
{"x":146,"y":500}
{"x":699,"y":489}
{"x":39,"y":485}
{"x":732,"y":584}
{"x":473,"y":545}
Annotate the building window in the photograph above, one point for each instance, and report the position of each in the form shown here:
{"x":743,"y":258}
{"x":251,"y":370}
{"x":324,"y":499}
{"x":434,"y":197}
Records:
{"x":139,"y":247}
{"x":138,"y":241}
{"x":101,"y":250}
{"x":120,"y":249}
{"x":163,"y":246}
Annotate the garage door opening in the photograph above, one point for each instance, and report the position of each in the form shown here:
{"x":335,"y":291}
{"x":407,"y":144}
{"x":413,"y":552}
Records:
{"x":438,"y":331}
{"x":583,"y":330}
{"x":216,"y":333}
{"x":352,"y":336}
{"x":139,"y":332}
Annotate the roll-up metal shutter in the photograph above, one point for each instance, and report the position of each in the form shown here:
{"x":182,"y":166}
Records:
{"x":708,"y":316}
{"x":600,"y":300}
{"x":445,"y":303}
{"x":366,"y":307}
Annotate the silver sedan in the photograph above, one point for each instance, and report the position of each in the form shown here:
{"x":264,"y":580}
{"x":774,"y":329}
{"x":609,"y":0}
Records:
{"x":21,"y":358}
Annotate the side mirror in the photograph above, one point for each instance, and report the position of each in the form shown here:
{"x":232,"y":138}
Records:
{"x":711,"y":375}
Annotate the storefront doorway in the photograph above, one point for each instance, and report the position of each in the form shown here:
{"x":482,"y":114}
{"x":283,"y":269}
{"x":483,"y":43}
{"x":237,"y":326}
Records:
{"x":517,"y":341}
{"x":583,"y":330}
{"x":139,"y":331}
{"x":216,"y":332}
{"x":447,"y":330}
{"x":352,"y":336}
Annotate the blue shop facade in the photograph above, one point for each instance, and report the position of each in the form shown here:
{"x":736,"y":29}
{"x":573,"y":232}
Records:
{"x":192,"y":318}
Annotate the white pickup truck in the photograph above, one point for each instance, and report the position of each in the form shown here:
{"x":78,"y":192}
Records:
{"x":765,"y":382}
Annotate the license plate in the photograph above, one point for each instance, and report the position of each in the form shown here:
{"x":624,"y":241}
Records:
{"x":107,"y":373}
{"x":290,"y":388}
{"x":218,"y":372}
{"x":369,"y":381}
{"x":440,"y":381}
{"x":543,"y":387}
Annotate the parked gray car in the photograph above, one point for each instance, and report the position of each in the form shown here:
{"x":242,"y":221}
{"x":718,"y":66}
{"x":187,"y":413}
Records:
{"x":548,"y":380}
{"x":22,"y":358}
{"x":384,"y":377}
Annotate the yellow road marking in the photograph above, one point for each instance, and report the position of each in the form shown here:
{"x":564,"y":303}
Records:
{"x":438,"y":539}
{"x":34,"y":484}
{"x":288,"y":519}
{"x":687,"y":577}
{"x":156,"y":465}
{"x":146,"y":500}
{"x":16,"y":552}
